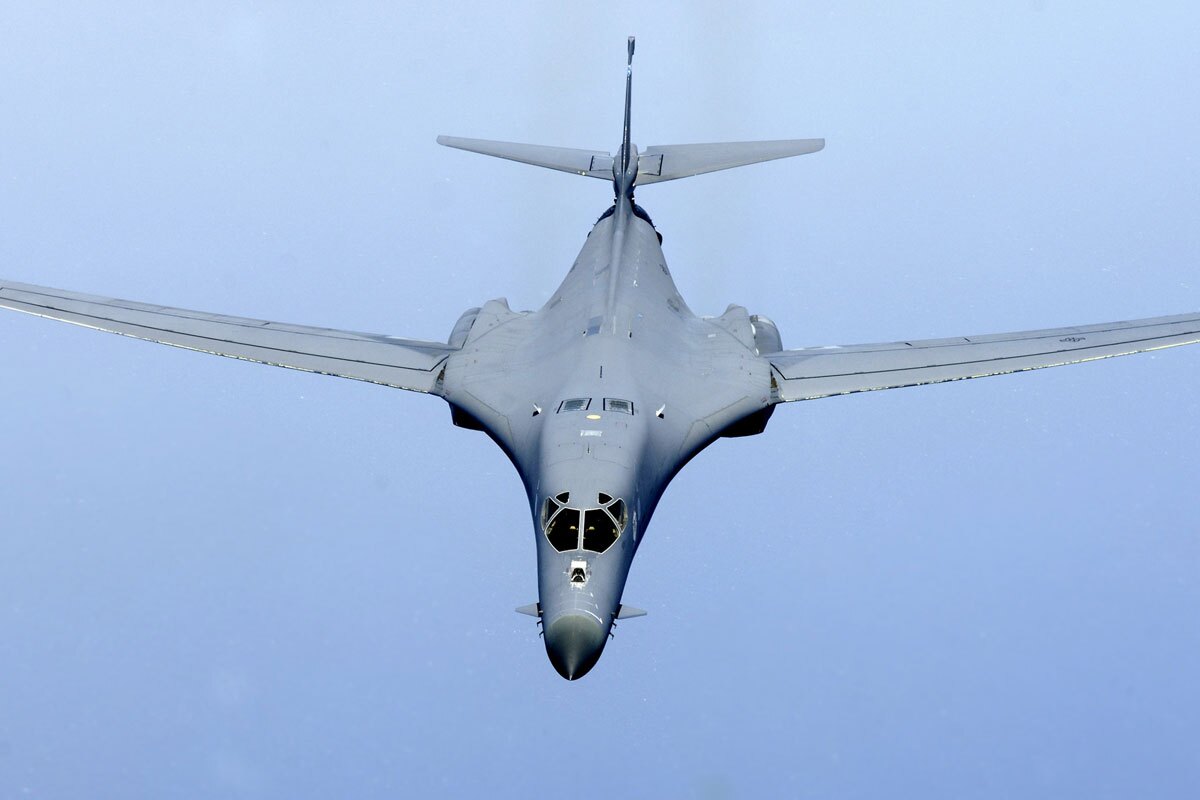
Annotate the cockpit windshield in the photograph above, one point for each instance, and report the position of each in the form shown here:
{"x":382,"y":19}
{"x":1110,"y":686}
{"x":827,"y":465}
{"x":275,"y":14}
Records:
{"x":600,"y":528}
{"x":563,"y":530}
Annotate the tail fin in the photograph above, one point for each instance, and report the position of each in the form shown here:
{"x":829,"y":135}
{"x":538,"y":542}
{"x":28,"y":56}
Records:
{"x":656,"y":164}
{"x":623,"y":176}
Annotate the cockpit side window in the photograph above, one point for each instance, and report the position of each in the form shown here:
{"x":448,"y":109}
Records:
{"x":548,"y":510}
{"x":617,"y":510}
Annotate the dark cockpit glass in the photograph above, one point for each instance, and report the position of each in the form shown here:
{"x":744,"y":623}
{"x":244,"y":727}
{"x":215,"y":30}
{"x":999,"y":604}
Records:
{"x":599,"y":530}
{"x":548,"y":511}
{"x":563,"y":530}
{"x":617,"y":510}
{"x":601,"y":527}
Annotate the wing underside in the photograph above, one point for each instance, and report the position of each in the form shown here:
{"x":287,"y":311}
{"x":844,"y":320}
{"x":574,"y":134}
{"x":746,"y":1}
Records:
{"x":391,"y":361}
{"x":814,"y":372}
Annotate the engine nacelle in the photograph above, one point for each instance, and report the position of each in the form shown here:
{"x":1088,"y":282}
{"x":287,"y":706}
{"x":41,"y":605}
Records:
{"x":766,"y":335}
{"x":458,"y":336}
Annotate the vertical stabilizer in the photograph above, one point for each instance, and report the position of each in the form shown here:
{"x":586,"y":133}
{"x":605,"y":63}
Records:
{"x":625,"y":141}
{"x":625,"y":165}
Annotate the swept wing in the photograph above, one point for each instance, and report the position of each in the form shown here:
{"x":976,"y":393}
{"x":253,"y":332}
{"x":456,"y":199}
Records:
{"x":813,"y":372}
{"x":401,"y":363}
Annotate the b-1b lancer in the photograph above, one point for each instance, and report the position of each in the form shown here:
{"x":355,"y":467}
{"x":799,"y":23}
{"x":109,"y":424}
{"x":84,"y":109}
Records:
{"x":600,"y":397}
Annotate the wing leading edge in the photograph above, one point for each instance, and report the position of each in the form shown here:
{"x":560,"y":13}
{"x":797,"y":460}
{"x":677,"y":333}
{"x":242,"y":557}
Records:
{"x":400,"y":363}
{"x":814,"y":372}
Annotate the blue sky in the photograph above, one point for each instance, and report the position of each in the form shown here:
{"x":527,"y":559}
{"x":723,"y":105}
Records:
{"x":223,"y":580}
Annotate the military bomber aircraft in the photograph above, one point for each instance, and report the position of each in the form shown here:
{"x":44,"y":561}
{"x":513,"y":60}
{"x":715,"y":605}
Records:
{"x":600,"y":397}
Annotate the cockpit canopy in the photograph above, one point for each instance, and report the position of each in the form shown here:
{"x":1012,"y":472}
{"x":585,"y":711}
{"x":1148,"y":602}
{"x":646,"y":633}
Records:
{"x":573,"y":528}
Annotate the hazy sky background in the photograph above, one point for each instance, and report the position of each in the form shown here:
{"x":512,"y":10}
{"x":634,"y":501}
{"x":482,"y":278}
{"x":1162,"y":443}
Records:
{"x":223,"y":580}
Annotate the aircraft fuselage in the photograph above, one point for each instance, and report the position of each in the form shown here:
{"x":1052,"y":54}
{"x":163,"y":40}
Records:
{"x":597,"y":417}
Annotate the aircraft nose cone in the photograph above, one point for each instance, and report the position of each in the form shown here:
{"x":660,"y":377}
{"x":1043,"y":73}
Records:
{"x":574,"y":643}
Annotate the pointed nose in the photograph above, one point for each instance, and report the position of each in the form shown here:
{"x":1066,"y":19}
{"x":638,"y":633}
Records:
{"x":574,"y":643}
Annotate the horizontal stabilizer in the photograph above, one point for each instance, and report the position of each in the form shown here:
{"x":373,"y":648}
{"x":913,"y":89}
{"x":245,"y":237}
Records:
{"x":671,"y":161}
{"x":590,"y":163}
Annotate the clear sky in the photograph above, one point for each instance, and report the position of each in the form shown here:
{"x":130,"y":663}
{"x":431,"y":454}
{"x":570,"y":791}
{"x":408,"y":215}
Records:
{"x":223,"y":580}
